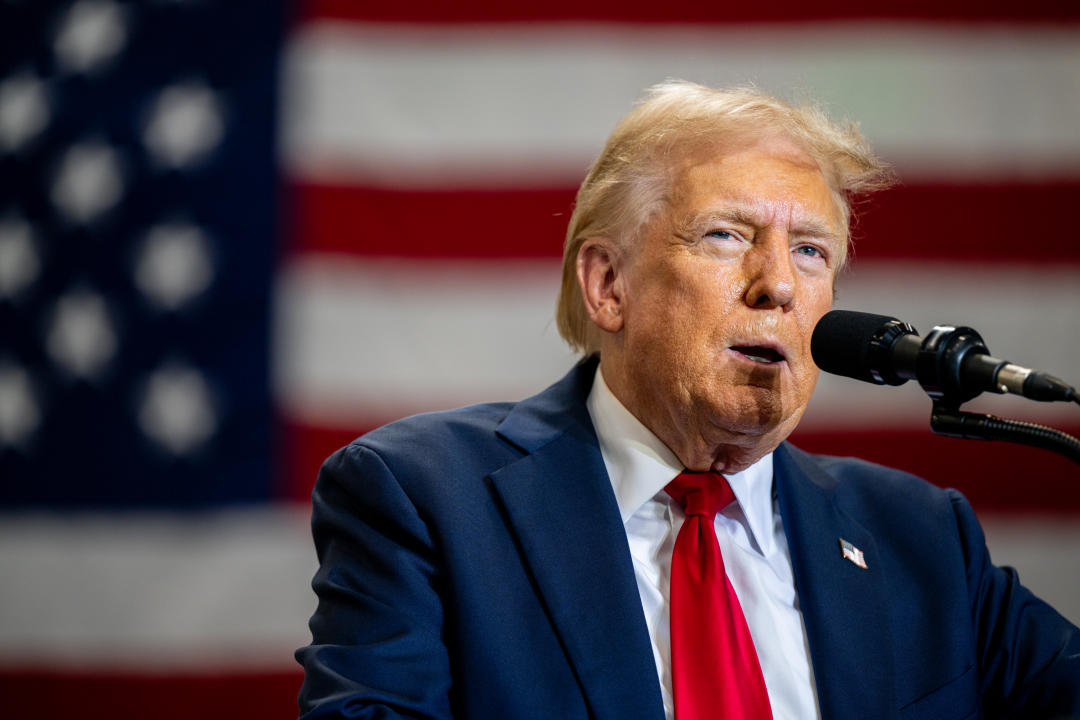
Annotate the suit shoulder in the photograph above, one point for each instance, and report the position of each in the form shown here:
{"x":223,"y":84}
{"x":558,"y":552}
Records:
{"x":906,"y":513}
{"x":863,"y":481}
{"x":461,"y":442}
{"x":444,"y":426}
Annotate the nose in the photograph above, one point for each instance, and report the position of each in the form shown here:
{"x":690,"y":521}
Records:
{"x":770,"y":274}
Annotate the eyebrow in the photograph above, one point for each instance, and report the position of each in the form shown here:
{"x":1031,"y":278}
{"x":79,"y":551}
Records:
{"x":807,"y":227}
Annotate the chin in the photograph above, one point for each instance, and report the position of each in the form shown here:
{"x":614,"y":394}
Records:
{"x":754,"y":411}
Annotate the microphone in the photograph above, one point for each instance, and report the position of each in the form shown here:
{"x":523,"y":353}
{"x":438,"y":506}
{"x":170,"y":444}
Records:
{"x":951,"y":363}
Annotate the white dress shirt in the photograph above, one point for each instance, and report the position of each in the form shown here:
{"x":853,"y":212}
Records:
{"x":751,"y":538}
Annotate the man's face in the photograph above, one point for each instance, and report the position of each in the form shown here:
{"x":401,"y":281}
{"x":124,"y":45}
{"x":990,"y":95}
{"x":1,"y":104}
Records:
{"x":719,"y":302}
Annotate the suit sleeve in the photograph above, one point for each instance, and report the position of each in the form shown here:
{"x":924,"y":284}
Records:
{"x":1028,"y":654}
{"x":377,"y":648}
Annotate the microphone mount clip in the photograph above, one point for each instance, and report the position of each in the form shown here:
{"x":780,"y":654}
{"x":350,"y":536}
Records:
{"x":938,"y":369}
{"x":939,"y":362}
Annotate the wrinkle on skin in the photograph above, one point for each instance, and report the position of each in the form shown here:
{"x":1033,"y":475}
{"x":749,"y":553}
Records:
{"x":732,"y":262}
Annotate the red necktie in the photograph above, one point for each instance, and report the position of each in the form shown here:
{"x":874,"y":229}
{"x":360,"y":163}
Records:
{"x":714,"y":667}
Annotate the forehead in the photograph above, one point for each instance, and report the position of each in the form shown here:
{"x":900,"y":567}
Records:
{"x":763,"y":182}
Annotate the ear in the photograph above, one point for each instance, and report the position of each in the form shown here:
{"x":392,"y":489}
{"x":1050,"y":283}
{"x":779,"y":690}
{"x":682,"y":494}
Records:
{"x":602,"y":284}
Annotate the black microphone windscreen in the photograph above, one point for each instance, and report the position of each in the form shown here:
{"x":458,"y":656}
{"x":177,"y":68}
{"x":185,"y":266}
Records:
{"x":841,"y":342}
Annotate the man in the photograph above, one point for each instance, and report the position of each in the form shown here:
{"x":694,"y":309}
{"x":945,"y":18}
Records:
{"x":529,"y":560}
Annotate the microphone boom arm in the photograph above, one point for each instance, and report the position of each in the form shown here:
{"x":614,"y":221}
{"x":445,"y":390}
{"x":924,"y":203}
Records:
{"x":954,"y":422}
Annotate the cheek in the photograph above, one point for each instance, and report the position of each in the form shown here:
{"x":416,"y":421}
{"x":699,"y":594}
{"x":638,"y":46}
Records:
{"x":818,"y":300}
{"x":823,"y":291}
{"x":669,"y":303}
{"x":710,"y":297}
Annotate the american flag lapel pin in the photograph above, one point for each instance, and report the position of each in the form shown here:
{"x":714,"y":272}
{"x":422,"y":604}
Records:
{"x":852,"y":553}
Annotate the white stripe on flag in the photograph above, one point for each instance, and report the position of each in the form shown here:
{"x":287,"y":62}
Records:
{"x":365,"y":339}
{"x":368,"y":340}
{"x":154,"y":591}
{"x":1044,"y":550}
{"x":529,"y":105}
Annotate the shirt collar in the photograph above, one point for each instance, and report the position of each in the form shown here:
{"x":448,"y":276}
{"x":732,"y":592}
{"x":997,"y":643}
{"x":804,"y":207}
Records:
{"x":639,"y":465}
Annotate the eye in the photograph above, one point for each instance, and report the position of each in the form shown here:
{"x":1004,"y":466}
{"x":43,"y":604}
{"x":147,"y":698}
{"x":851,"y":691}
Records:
{"x":721,"y":234}
{"x":812,"y":258}
{"x":810,"y":251}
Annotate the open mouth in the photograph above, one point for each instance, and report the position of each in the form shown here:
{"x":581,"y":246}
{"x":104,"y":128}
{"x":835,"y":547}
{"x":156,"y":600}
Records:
{"x":759,"y":354}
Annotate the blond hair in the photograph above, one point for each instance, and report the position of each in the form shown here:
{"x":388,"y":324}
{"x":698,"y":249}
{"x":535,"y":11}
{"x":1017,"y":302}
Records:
{"x":634,"y":175}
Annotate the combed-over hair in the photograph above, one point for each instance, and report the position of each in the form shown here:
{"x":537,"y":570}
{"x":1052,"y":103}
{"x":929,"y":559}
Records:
{"x":635,"y":174}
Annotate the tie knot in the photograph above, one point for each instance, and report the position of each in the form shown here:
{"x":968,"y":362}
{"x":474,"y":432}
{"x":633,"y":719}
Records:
{"x":701,"y":493}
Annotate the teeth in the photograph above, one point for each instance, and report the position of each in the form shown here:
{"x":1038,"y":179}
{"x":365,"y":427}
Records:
{"x":758,"y":358}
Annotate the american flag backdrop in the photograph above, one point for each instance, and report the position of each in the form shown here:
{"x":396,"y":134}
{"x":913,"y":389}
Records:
{"x":235,"y":235}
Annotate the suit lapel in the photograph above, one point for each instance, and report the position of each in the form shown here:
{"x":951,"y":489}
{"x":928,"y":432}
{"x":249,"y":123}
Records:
{"x":561,"y":508}
{"x":844,"y":607}
{"x":560,"y":505}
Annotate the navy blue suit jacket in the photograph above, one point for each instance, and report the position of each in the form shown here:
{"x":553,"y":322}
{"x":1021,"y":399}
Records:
{"x":474,"y":565}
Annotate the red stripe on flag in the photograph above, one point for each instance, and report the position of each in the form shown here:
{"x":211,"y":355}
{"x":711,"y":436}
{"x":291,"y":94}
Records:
{"x":998,"y":223}
{"x":303,"y":448}
{"x":31,"y":695}
{"x":465,"y":224}
{"x":986,"y":472}
{"x":640,"y":11}
{"x":1006,"y":223}
{"x":994,"y":476}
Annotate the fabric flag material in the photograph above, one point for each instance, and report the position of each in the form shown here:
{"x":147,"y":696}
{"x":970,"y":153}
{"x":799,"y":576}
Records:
{"x":234,"y":236}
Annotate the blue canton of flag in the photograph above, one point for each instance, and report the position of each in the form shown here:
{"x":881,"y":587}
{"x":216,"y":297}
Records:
{"x":139,"y":508}
{"x":137,"y":238}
